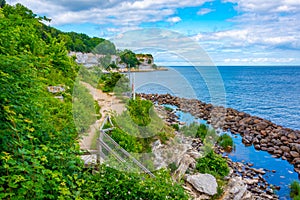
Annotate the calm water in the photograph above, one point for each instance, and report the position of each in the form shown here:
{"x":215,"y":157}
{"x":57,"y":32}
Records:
{"x":272,"y":93}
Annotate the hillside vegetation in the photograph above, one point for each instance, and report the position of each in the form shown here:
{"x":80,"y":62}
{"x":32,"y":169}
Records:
{"x":39,"y":151}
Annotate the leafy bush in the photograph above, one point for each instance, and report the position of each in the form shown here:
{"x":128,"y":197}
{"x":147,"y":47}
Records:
{"x":39,"y":148}
{"x":202,"y":131}
{"x":141,"y":121}
{"x":126,"y":141}
{"x":114,"y":82}
{"x":226,"y":142}
{"x":113,"y":184}
{"x":196,"y":130}
{"x":295,"y":190}
{"x":139,"y":111}
{"x":190,"y":130}
{"x":176,"y":127}
{"x":213,"y":164}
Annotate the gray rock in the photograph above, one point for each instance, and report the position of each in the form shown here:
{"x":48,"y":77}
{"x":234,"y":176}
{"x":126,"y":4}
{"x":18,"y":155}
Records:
{"x":261,"y":126}
{"x":285,"y":149}
{"x":184,"y":164}
{"x":294,"y":154}
{"x":258,"y":171}
{"x":296,"y":147}
{"x":204,"y":183}
{"x":236,"y":190}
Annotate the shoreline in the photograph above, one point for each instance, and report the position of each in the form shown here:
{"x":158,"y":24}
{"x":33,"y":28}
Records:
{"x":278,"y":141}
{"x":245,"y":180}
{"x":143,"y":70}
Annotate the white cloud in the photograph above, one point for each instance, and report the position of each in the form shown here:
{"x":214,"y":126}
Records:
{"x":260,"y":26}
{"x":116,"y":12}
{"x":174,"y":19}
{"x":205,"y":11}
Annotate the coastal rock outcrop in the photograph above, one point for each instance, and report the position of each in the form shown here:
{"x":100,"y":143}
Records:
{"x":204,"y":183}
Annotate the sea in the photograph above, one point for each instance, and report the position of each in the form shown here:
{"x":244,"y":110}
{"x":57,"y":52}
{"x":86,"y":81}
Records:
{"x":270,"y":92}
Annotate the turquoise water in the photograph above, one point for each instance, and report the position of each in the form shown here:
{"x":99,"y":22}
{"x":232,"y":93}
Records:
{"x":272,"y":93}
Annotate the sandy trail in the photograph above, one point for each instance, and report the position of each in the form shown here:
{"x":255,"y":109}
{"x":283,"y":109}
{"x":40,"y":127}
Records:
{"x":107,"y":103}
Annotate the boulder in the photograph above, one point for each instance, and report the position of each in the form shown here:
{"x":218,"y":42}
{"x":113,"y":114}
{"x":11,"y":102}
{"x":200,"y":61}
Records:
{"x":236,"y":190}
{"x":261,"y":126}
{"x":296,"y":147}
{"x":204,"y":183}
{"x":292,"y":136}
{"x":285,"y":149}
{"x":294,"y":154}
{"x":258,"y":171}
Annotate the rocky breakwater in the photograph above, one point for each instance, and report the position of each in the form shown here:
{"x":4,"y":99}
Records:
{"x":279,"y":141}
{"x":243,"y":181}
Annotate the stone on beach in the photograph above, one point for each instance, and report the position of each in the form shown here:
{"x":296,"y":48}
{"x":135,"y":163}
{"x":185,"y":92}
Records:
{"x":204,"y":183}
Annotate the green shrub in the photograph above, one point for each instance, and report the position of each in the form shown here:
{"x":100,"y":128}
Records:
{"x":176,"y":127}
{"x":295,"y":190}
{"x":190,"y":130}
{"x":126,"y":141}
{"x":202,"y":131}
{"x":213,"y":164}
{"x":139,"y":111}
{"x":114,"y":82}
{"x":226,"y":142}
{"x":113,"y":184}
{"x":141,"y":121}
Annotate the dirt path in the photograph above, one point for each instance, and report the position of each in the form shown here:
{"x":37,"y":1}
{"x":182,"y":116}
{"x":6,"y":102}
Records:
{"x":107,"y":103}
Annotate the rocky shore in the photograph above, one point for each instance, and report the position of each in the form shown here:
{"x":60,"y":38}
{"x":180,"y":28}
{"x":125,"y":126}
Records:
{"x":243,"y":182}
{"x":279,"y":141}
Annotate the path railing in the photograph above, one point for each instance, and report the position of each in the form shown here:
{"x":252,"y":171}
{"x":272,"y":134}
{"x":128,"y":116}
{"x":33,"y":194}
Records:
{"x":110,"y":150}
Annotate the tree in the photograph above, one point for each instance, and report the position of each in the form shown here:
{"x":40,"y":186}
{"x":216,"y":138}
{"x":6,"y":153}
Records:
{"x":129,"y":58}
{"x":105,"y":48}
{"x":2,"y":3}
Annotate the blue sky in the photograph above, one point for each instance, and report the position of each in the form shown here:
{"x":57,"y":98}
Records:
{"x":232,"y":32}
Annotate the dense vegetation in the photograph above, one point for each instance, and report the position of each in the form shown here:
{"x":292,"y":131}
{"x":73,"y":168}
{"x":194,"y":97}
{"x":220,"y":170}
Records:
{"x":129,"y":58}
{"x":226,"y":142}
{"x":213,"y":164}
{"x":39,"y":148}
{"x":80,"y":42}
{"x":139,"y":126}
{"x":114,"y":82}
{"x":38,"y":136}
